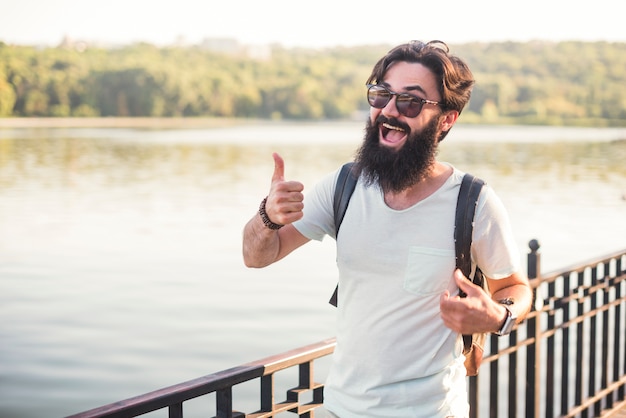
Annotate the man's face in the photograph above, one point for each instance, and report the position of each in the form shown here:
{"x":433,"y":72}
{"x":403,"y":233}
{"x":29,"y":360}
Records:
{"x":414,"y":79}
{"x":399,"y":151}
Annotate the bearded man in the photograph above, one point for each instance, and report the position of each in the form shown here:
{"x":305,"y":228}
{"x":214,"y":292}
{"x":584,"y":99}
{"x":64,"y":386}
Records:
{"x":400,"y":315}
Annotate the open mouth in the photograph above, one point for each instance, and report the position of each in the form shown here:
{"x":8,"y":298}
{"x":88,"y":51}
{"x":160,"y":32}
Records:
{"x":391,"y":133}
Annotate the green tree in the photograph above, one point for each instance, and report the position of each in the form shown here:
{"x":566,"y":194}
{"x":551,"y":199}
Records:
{"x":516,"y":82}
{"x":7,"y":96}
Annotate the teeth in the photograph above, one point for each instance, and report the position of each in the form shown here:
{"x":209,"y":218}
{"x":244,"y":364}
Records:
{"x":395,"y":128}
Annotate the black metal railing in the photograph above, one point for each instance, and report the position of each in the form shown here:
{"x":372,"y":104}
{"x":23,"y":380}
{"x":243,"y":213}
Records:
{"x":568,"y":359}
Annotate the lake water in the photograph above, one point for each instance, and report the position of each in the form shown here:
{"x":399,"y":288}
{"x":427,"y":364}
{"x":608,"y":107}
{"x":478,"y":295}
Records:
{"x":120,"y":260}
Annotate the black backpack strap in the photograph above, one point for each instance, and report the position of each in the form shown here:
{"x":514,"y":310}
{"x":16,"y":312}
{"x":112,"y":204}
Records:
{"x":463,"y":227}
{"x":346,"y":182}
{"x":465,"y":208}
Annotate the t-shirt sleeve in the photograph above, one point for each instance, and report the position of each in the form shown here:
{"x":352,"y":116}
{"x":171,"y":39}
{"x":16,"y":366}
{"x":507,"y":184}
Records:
{"x":494,"y":248}
{"x":318,"y":219}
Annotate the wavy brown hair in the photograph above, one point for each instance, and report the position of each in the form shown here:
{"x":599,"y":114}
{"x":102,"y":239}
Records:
{"x":454,"y":78}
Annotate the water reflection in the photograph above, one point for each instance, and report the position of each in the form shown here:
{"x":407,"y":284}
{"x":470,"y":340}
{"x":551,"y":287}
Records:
{"x":124,"y":161}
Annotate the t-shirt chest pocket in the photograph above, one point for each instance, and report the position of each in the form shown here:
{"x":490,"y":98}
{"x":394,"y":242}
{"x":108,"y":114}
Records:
{"x":428,"y":270}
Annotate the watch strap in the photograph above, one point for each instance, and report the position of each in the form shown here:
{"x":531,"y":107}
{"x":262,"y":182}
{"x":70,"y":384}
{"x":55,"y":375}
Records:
{"x":509,"y":322}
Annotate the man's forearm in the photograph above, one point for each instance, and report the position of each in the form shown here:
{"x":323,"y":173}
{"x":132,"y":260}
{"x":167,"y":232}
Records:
{"x":522,"y":297}
{"x":260,"y":244}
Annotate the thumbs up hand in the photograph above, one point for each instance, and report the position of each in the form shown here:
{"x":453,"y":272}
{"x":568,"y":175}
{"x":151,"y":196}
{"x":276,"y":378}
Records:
{"x":285,"y":201}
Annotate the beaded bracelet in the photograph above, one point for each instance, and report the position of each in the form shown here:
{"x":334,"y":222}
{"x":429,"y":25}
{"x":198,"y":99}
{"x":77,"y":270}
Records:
{"x":266,"y":220}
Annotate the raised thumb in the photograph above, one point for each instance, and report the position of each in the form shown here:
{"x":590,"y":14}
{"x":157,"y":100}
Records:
{"x":279,"y":168}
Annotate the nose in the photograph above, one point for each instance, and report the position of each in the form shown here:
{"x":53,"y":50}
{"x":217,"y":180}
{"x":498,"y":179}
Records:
{"x":391,"y":109}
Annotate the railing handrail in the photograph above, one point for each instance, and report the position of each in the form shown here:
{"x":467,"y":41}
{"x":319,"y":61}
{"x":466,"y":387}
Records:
{"x":540,"y":325}
{"x":181,"y":392}
{"x":575,"y":267}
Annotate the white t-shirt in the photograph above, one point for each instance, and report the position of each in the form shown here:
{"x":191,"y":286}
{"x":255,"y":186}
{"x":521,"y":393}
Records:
{"x":394,"y":356}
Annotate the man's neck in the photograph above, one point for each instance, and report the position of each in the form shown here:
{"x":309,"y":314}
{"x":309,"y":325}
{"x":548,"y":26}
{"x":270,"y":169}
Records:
{"x":419,"y":191}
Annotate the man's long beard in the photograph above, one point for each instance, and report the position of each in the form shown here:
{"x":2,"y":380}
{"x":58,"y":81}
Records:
{"x":397,"y":170}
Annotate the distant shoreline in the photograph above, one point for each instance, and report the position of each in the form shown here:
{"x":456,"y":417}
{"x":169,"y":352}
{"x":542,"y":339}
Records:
{"x":466,"y":132}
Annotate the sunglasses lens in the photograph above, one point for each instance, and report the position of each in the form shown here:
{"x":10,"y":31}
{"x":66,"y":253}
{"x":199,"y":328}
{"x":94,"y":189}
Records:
{"x":378,"y":96}
{"x":408,"y":106}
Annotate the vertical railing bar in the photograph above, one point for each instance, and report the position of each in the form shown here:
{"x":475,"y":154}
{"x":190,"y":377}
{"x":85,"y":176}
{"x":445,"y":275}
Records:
{"x":513,"y":372}
{"x":494,"y":343}
{"x":550,"y":349}
{"x":305,"y":380}
{"x":224,"y":402}
{"x":604,"y":376}
{"x":579,"y":343}
{"x":267,"y":393}
{"x":536,"y":367}
{"x":305,"y":375}
{"x":619,"y":346}
{"x":473,"y":396}
{"x":593,"y":338}
{"x":620,"y":267}
{"x":565,"y":332}
{"x":318,"y":395}
{"x":533,"y":327}
{"x":175,"y":410}
{"x":617,"y":343}
{"x":532,"y":400}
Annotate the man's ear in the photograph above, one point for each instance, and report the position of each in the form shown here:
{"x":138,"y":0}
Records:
{"x":448,"y":119}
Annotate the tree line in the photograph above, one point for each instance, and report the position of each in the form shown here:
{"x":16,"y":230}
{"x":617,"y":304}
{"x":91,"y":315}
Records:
{"x":549,"y":83}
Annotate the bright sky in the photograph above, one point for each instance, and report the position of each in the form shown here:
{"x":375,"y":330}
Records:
{"x":311,"y":23}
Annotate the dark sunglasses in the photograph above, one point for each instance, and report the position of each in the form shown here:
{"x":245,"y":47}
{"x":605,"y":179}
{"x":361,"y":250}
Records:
{"x":407,"y":104}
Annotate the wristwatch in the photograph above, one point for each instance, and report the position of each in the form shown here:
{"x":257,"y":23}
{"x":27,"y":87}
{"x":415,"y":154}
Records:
{"x":509,"y":321}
